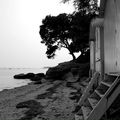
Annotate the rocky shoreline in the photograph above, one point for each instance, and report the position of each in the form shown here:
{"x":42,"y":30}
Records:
{"x":58,"y":72}
{"x":50,"y":100}
{"x":55,"y":96}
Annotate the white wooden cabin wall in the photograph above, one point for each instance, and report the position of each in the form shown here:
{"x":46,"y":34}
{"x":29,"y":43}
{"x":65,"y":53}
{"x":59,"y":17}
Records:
{"x":97,"y":50}
{"x":92,"y":56}
{"x":109,"y":37}
{"x":117,"y":38}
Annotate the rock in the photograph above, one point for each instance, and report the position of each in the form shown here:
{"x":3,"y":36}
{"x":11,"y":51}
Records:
{"x":24,"y":76}
{"x":38,"y":82}
{"x":20,"y":76}
{"x":27,"y":104}
{"x":36,"y":78}
{"x":31,"y":76}
{"x":75,"y":71}
{"x":60,"y":70}
{"x":69,"y":77}
{"x":54,"y":73}
{"x":40,"y":75}
{"x":43,"y":80}
{"x":84,"y":71}
{"x":76,"y":85}
{"x":34,"y":108}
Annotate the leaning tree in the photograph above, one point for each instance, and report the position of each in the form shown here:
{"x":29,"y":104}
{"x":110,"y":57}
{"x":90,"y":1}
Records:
{"x":70,"y":31}
{"x":65,"y":30}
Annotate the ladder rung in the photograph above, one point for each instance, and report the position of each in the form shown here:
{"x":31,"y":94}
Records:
{"x":114,"y":74}
{"x":93,"y":102}
{"x":106,"y":83}
{"x":86,"y":111}
{"x":98,"y":93}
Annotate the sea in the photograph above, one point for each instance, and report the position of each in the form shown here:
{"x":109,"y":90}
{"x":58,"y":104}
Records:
{"x":8,"y":82}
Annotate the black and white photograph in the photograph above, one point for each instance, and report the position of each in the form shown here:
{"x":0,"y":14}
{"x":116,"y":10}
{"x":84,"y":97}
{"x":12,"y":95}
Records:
{"x":59,"y":59}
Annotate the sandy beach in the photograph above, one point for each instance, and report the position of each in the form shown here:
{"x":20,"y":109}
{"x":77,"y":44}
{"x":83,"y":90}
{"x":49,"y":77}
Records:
{"x":50,"y":100}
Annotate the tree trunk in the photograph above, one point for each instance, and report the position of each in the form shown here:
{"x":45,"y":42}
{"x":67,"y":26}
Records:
{"x":74,"y":58}
{"x":71,"y":53}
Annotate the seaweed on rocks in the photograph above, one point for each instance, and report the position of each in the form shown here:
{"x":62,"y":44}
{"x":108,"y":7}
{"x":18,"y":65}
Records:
{"x":34,"y":109}
{"x":49,"y":92}
{"x":76,"y":95}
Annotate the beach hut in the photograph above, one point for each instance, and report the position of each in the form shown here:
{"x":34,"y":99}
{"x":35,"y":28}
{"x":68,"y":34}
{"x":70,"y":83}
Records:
{"x":104,"y":85}
{"x":105,"y":39}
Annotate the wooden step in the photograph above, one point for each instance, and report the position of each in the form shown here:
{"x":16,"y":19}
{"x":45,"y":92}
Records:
{"x":86,"y":111}
{"x":110,"y":78}
{"x":114,"y":74}
{"x":102,"y":89}
{"x":94,"y":95}
{"x":98,"y":93}
{"x":93,"y":102}
{"x":79,"y":117}
{"x":106,"y":83}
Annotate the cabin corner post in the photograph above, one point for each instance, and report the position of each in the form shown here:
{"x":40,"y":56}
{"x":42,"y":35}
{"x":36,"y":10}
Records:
{"x":92,"y":50}
{"x":102,"y":51}
{"x":96,"y":39}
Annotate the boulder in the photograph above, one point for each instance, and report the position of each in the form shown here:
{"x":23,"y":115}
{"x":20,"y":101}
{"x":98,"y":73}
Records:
{"x":29,"y":75}
{"x":24,"y":76}
{"x":40,"y":75}
{"x":20,"y":76}
{"x":54,"y":73}
{"x":75,"y":71}
{"x":61,"y":69}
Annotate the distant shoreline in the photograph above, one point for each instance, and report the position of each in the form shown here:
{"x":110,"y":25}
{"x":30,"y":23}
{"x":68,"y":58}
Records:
{"x":8,"y":82}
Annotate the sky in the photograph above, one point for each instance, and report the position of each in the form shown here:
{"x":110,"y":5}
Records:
{"x":20,"y":45}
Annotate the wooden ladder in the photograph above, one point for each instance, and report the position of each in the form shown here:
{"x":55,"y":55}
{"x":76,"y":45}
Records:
{"x":94,"y":106}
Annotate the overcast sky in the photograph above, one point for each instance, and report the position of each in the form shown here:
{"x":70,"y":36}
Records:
{"x":19,"y":32}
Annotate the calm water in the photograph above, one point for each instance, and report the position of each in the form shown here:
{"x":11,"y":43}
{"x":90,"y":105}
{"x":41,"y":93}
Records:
{"x":7,"y":81}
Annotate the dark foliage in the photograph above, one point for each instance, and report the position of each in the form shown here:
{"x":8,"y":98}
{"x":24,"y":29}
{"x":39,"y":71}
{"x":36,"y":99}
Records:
{"x":84,"y":57}
{"x":70,"y":31}
{"x":65,"y":30}
{"x":85,"y":6}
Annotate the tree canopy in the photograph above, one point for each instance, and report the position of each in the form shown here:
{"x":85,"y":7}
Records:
{"x":65,"y":30}
{"x":70,"y":31}
{"x":85,"y":6}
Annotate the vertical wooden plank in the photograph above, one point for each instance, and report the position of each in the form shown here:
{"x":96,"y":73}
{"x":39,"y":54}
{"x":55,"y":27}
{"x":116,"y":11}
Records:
{"x":97,"y":50}
{"x":117,"y":34}
{"x":109,"y":37}
{"x":102,"y":51}
{"x":92,"y":56}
